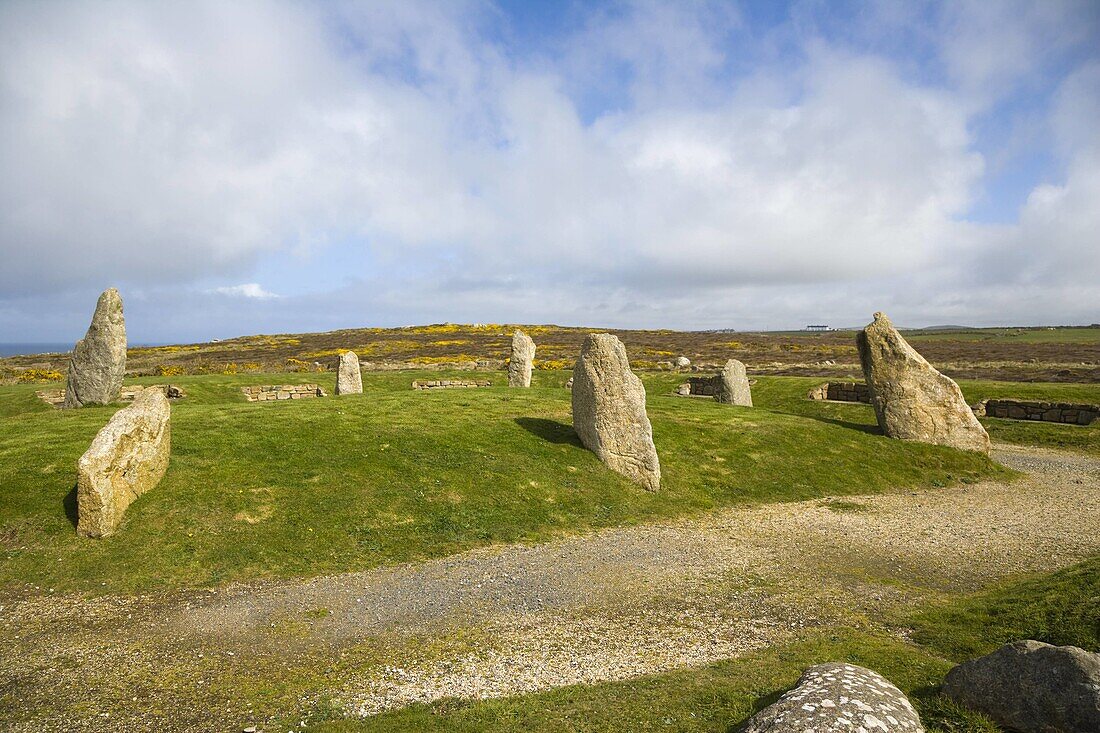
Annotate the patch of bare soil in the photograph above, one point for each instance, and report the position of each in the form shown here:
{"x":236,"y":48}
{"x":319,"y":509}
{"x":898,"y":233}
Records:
{"x":609,"y":605}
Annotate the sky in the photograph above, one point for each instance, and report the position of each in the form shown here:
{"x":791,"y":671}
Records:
{"x":281,"y":167}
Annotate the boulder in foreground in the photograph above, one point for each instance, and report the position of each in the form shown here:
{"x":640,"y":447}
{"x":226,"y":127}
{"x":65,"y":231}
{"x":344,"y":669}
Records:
{"x":838,"y":697}
{"x":349,"y":379}
{"x":912,"y":400}
{"x":609,"y":411}
{"x":733,"y":385}
{"x":1031,"y":687}
{"x":522,"y":361}
{"x":127,"y":458}
{"x":98,"y":363}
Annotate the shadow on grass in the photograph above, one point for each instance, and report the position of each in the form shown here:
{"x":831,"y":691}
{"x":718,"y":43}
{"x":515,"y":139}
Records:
{"x":550,"y":430}
{"x":861,"y":427}
{"x":69,"y":503}
{"x":758,"y":704}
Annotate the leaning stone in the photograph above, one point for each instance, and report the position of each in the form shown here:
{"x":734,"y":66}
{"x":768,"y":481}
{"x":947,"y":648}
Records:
{"x":349,"y":380}
{"x":98,"y":363}
{"x":523,"y":356}
{"x":127,"y":458}
{"x":609,"y":411}
{"x":912,"y":400}
{"x":733,"y":385}
{"x":838,"y":697}
{"x":1031,"y":686}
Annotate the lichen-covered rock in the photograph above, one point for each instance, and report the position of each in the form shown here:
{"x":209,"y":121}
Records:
{"x":127,"y":458}
{"x":1032,"y":687}
{"x":835,"y":697}
{"x":609,"y":411}
{"x":733,"y":387}
{"x":523,"y":356}
{"x":98,"y":363}
{"x":682,"y":362}
{"x":912,"y":400}
{"x":349,"y":380}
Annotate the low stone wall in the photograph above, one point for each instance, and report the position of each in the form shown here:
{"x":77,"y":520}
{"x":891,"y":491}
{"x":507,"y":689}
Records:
{"x":451,"y":383}
{"x":56,"y":397}
{"x":704,"y":386}
{"x":841,"y":392}
{"x":266,"y":392}
{"x":1067,"y":413}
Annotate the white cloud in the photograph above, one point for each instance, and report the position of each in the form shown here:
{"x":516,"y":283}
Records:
{"x":245,"y":290}
{"x":164,"y":147}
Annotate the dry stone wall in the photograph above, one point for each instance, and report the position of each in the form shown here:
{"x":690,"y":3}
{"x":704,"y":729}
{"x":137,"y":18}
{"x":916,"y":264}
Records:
{"x":842,"y":392}
{"x":56,"y":397}
{"x":266,"y":392}
{"x":1067,"y":413}
{"x":450,"y":383}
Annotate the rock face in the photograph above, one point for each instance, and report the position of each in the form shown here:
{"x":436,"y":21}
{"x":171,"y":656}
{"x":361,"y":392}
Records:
{"x":609,"y":411}
{"x":349,"y":380}
{"x":127,"y":458}
{"x":912,"y":400}
{"x":98,"y":362}
{"x":1031,"y":686}
{"x":733,"y":387}
{"x":838,"y":697}
{"x":523,"y":355}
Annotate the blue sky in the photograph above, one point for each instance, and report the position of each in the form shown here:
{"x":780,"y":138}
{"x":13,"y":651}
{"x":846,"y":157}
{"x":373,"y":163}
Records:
{"x":277,"y":167}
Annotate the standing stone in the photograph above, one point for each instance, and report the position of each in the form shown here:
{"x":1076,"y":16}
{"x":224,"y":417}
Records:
{"x":838,"y":697}
{"x":912,"y":400}
{"x":1031,"y":686}
{"x":127,"y":458}
{"x":349,"y":380}
{"x":609,"y":411}
{"x":523,"y":355}
{"x":733,"y":385}
{"x":98,"y":362}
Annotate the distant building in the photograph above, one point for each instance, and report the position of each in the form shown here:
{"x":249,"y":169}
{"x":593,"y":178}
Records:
{"x":818,"y":328}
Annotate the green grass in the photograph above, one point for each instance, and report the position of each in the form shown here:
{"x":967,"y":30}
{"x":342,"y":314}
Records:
{"x":321,"y":486}
{"x":1061,"y":608}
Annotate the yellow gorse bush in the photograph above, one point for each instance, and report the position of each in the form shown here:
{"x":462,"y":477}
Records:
{"x":40,"y":375}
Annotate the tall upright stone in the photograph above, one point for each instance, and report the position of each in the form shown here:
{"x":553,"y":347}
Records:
{"x":98,"y":363}
{"x":733,"y":385}
{"x":609,"y":411}
{"x":523,"y":357}
{"x":127,"y":458}
{"x":349,"y":380}
{"x":912,"y":400}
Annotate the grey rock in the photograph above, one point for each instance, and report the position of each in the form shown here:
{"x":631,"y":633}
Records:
{"x":1032,"y":687}
{"x":733,"y":386}
{"x":523,"y":357}
{"x":682,"y":362}
{"x":912,"y":400}
{"x":127,"y":458}
{"x":609,"y":411}
{"x":837,"y":697}
{"x":349,"y":380}
{"x":684,"y":390}
{"x":98,"y":363}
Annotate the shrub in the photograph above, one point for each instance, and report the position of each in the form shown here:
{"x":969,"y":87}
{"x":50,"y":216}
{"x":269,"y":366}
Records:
{"x":161,"y":370}
{"x":40,"y":375}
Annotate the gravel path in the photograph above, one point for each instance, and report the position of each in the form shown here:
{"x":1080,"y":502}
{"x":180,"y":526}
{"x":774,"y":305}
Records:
{"x":608,"y":605}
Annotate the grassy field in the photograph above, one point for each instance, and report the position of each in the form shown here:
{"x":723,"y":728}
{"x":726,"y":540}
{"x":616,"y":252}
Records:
{"x":329,"y":485}
{"x":1059,"y":335}
{"x":1060,"y":609}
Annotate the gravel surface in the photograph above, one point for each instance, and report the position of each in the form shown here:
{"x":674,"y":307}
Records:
{"x":608,"y":605}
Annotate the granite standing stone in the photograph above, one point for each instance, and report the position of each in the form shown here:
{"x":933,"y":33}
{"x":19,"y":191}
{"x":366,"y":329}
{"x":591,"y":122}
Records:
{"x":1032,"y":687}
{"x":98,"y":363}
{"x":733,"y":387}
{"x":127,"y":458}
{"x":912,"y":400}
{"x":609,"y":411}
{"x":349,"y":380}
{"x":835,"y":697}
{"x":523,"y":357}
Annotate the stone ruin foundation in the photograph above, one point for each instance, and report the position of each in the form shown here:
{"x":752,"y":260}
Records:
{"x":842,"y":392}
{"x":1067,"y":413}
{"x":266,"y":392}
{"x":450,"y":383}
{"x":56,"y":397}
{"x":702,"y":386}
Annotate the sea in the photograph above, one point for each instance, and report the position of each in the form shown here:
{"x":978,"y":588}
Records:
{"x":21,"y":349}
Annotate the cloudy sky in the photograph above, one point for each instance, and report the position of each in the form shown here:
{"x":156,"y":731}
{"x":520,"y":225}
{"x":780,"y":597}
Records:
{"x":251,"y":167}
